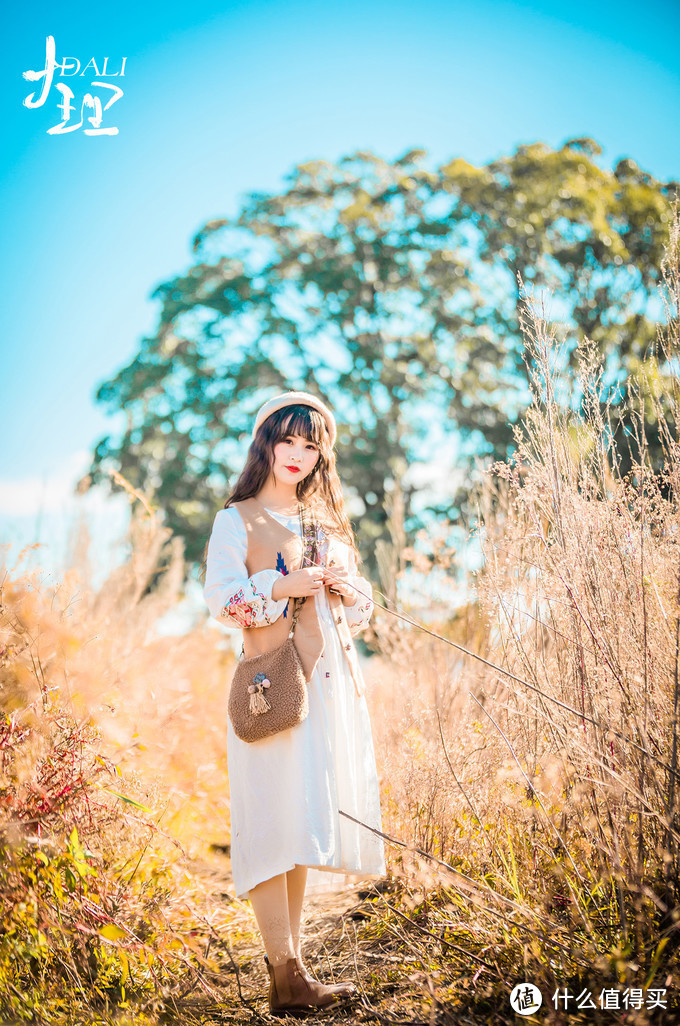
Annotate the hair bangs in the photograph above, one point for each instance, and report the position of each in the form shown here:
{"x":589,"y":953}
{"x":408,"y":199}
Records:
{"x":303,"y":421}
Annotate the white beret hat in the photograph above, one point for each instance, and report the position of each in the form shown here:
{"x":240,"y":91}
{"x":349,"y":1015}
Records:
{"x":296,"y":399}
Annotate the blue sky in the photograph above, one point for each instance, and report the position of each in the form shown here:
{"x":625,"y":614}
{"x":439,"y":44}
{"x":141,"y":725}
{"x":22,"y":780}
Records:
{"x":220,"y":99}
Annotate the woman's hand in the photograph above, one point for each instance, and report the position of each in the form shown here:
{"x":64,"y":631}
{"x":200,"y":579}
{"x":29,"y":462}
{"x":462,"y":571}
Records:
{"x":335,"y":578}
{"x":299,"y":583}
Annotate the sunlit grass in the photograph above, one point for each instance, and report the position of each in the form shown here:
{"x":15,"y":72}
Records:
{"x":533,"y":806}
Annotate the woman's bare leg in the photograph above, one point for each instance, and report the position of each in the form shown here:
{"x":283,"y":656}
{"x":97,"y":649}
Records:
{"x":296,"y":881}
{"x":270,"y":905}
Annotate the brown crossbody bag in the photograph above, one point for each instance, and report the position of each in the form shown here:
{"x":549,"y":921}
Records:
{"x":269,"y":691}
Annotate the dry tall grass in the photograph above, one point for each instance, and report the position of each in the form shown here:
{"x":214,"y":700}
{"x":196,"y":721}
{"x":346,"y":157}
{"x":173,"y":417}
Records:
{"x":102,"y":798}
{"x":535,"y":788}
{"x":550,"y":780}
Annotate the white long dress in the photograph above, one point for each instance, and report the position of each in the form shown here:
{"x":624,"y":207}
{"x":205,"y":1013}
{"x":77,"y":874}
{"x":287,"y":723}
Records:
{"x":287,"y":791}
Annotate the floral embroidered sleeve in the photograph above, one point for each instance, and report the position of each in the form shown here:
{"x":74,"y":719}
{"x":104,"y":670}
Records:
{"x":232,"y":596}
{"x":360,"y":613}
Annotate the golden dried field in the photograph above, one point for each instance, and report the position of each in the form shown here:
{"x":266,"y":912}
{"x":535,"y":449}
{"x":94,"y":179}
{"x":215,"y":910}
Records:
{"x":529,"y":762}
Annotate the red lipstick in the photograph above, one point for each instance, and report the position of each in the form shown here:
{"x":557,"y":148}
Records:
{"x":294,"y":470}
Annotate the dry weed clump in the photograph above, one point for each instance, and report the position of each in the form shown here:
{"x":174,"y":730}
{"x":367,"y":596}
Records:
{"x":99,"y":716}
{"x":547,"y":778}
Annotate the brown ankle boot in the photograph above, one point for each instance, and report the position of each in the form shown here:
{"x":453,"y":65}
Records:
{"x":291,"y":992}
{"x":343,"y":988}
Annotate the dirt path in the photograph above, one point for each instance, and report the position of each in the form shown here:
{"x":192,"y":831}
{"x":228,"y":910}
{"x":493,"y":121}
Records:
{"x":343,"y":938}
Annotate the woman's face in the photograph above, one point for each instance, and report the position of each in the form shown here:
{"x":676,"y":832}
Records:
{"x":294,"y":459}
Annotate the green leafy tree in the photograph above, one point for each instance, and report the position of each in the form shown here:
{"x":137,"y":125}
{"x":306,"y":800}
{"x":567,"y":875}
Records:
{"x":389,"y":289}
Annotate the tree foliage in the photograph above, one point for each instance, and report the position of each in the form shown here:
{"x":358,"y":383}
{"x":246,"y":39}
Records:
{"x":389,"y":289}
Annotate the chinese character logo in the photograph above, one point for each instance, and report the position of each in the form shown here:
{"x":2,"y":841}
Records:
{"x":611,"y":998}
{"x":70,"y":66}
{"x":526,"y":998}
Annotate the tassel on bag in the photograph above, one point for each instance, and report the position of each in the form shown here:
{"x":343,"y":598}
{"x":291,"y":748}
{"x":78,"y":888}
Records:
{"x":258,"y":703}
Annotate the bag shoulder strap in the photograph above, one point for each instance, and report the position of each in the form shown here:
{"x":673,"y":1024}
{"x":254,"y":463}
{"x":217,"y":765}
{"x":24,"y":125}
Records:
{"x":310,"y":556}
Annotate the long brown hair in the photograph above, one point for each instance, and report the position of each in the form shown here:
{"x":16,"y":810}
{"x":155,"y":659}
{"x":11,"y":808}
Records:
{"x":321,"y":488}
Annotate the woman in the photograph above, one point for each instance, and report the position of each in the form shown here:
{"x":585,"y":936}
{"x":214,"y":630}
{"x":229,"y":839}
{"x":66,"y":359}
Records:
{"x":288,"y":790}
